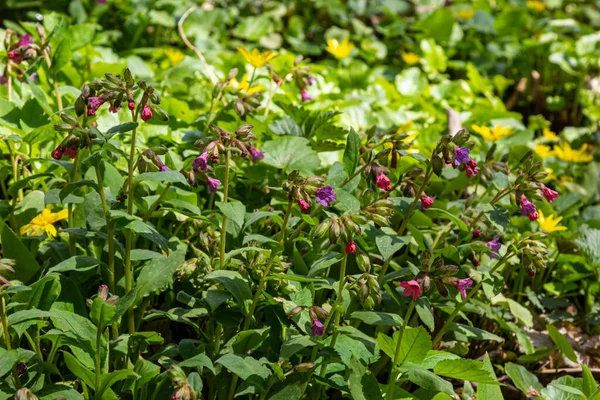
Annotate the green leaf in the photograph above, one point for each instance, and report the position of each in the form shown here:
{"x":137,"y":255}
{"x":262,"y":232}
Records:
{"x":291,"y":153}
{"x":388,"y":344}
{"x":76,"y":263}
{"x":485,"y":391}
{"x":589,"y":383}
{"x":437,"y":25}
{"x":162,"y":176}
{"x":470,"y":332}
{"x":460,"y":224}
{"x":199,"y":360}
{"x":561,"y":341}
{"x":236,"y":285}
{"x":40,"y":97}
{"x":351,"y":152}
{"x":107,"y":380}
{"x":8,"y":359}
{"x":147,"y":231}
{"x":122,"y":128}
{"x":12,"y":247}
{"x":468,"y":370}
{"x":62,"y":55}
{"x":363,"y":384}
{"x":80,"y":370}
{"x":388,"y":245}
{"x":158,"y":273}
{"x":427,"y":379}
{"x":500,"y":181}
{"x":416,"y":342}
{"x":294,"y":345}
{"x":435,"y":356}
{"x":522,"y":378}
{"x":72,"y":187}
{"x":425,"y":313}
{"x":101,"y":313}
{"x":23,"y":182}
{"x":377,"y":318}
{"x":247,"y":368}
{"x":235,"y":213}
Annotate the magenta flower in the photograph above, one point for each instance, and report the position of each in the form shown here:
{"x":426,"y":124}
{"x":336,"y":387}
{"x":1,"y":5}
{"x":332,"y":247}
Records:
{"x":94,"y":104}
{"x":164,"y":168}
{"x":21,"y":369}
{"x":476,"y":233}
{"x":15,"y":56}
{"x":201,"y":162}
{"x":383,"y":182}
{"x":305,"y":95}
{"x":326,"y":195}
{"x":131,"y":104}
{"x":461,"y":156}
{"x":146,"y":113}
{"x":462,"y":285}
{"x":351,"y":247}
{"x":58,"y":153}
{"x":494,"y":246}
{"x":26,"y":40}
{"x":256,"y":154}
{"x":213,"y":184}
{"x":317,"y":328}
{"x":113,"y":109}
{"x":471,"y":168}
{"x":549,"y":194}
{"x":528,"y":209}
{"x":426,"y":202}
{"x":411,"y":288}
{"x":3,"y":80}
{"x":304,"y":206}
{"x":71,"y":152}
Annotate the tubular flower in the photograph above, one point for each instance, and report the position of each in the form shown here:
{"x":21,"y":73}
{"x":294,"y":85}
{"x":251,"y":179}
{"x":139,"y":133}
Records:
{"x":411,"y":288}
{"x":494,"y":245}
{"x":304,"y":206}
{"x":462,"y":285}
{"x":256,"y":154}
{"x":317,"y":327}
{"x":255,"y":58}
{"x":339,"y":50}
{"x":471,"y":168}
{"x":201,"y":162}
{"x":325,"y":195}
{"x":566,"y":153}
{"x":383,"y":182}
{"x":461,"y":156}
{"x":44,"y":222}
{"x":426,"y":202}
{"x":305,"y":96}
{"x":351,"y":247}
{"x":146,"y":113}
{"x":549,"y":194}
{"x":549,"y":224}
{"x":213,"y":184}
{"x":493,"y":134}
{"x":528,"y":209}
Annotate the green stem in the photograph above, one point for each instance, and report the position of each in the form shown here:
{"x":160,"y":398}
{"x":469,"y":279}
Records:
{"x":411,"y":210}
{"x":394,"y":373}
{"x":98,"y":362}
{"x":384,"y":268}
{"x":225,"y":198}
{"x":129,"y":233}
{"x":73,"y":176}
{"x":6,"y":333}
{"x":471,"y":293}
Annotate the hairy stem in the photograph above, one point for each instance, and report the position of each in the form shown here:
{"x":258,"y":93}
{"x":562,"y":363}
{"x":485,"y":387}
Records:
{"x":225,"y":198}
{"x":129,"y":233}
{"x":394,"y":372}
{"x":6,"y":333}
{"x":411,"y":210}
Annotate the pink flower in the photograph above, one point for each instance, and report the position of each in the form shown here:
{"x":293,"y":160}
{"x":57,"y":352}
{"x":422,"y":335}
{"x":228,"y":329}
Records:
{"x":411,"y":288}
{"x":383,"y":182}
{"x":351,"y":247}
{"x":131,"y":104}
{"x":58,"y":153}
{"x":113,"y":109}
{"x":528,"y":209}
{"x":164,"y":168}
{"x":71,"y":152}
{"x":146,"y":113}
{"x":26,"y":40}
{"x":471,"y":168}
{"x":476,"y":233}
{"x":426,"y":202}
{"x":317,"y":327}
{"x":94,"y":104}
{"x":201,"y":162}
{"x":304,"y":206}
{"x":213,"y":184}
{"x":15,"y":56}
{"x":462,"y":285}
{"x":305,"y":95}
{"x":549,"y":194}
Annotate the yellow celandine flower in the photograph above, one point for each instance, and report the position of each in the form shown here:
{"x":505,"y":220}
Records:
{"x":549,"y":135}
{"x":256,"y":59}
{"x":410,"y":58}
{"x":551,"y":176}
{"x":543,"y":151}
{"x":495,"y":133}
{"x":465,"y":14}
{"x":174,"y":55}
{"x":339,"y":50}
{"x":536,"y":5}
{"x":410,"y":137}
{"x":568,"y":154}
{"x":549,"y":224}
{"x":245,"y":86}
{"x":44,"y":222}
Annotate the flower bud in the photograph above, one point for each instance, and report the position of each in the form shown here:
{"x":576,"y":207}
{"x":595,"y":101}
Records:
{"x":305,"y":367}
{"x":294,"y":312}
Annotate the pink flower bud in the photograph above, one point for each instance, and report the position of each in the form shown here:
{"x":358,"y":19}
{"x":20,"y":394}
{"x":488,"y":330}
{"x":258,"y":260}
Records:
{"x":146,"y":113}
{"x":383,"y":182}
{"x":131,"y":105}
{"x":58,"y":153}
{"x":426,"y":202}
{"x":549,"y":194}
{"x":304,"y":206}
{"x":351,"y":247}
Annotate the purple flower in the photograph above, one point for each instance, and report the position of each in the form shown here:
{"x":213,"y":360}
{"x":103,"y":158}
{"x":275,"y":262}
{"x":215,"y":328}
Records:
{"x":494,"y":246}
{"x":317,"y":327}
{"x":164,"y":168}
{"x":305,"y":95}
{"x":311,"y":80}
{"x":462,"y":285}
{"x":94,"y":104}
{"x":101,"y":2}
{"x":549,"y":194}
{"x":461,"y":156}
{"x":26,"y":40}
{"x":256,"y":154}
{"x":201,"y":162}
{"x":21,"y":368}
{"x":213,"y":184}
{"x":33,"y":76}
{"x":325,"y":195}
{"x":528,"y":209}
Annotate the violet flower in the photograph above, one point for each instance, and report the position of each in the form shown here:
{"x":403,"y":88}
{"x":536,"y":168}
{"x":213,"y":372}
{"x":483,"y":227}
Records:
{"x":305,"y":95}
{"x":528,"y":209}
{"x":201,"y":162}
{"x":462,"y":285}
{"x":256,"y":154}
{"x":325,"y":195}
{"x":461,"y":156}
{"x":213,"y":184}
{"x":494,"y":246}
{"x":317,"y":328}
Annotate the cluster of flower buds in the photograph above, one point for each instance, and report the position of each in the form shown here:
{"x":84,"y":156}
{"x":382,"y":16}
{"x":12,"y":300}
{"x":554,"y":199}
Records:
{"x":25,"y":394}
{"x":316,"y":314}
{"x":379,"y":211}
{"x":104,"y":296}
{"x":246,"y":102}
{"x":153,"y":163}
{"x":454,"y":150}
{"x":23,"y":48}
{"x":302,"y":190}
{"x":438,"y":273}
{"x":344,"y":228}
{"x":302,"y":78}
{"x":116,"y":91}
{"x":528,"y":186}
{"x":379,"y":173}
{"x":78,"y":137}
{"x":534,"y":254}
{"x":491,"y":166}
{"x":184,"y":390}
{"x":6,"y":267}
{"x":367,"y":291}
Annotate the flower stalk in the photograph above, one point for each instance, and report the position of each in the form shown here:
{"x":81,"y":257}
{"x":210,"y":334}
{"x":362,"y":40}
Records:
{"x":225,"y":198}
{"x":394,"y":371}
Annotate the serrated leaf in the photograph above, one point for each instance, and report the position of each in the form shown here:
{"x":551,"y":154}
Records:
{"x":469,"y":370}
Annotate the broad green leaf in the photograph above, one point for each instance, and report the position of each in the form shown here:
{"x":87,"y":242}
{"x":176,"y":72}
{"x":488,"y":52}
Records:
{"x":40,"y":97}
{"x":435,"y":356}
{"x":388,"y":344}
{"x":157,"y":274}
{"x":235,"y":284}
{"x":291,"y":153}
{"x":425,"y":313}
{"x":247,"y":368}
{"x":292,"y":346}
{"x":147,"y":231}
{"x":101,"y":313}
{"x":12,"y":247}
{"x":377,"y":318}
{"x":485,"y":391}
{"x":564,"y":388}
{"x":561,"y":341}
{"x":293,"y":388}
{"x":351,"y":152}
{"x":76,"y":263}
{"x":62,"y":55}
{"x":43,"y":294}
{"x":363,"y":384}
{"x":122,"y":128}
{"x":589,"y":383}
{"x":80,"y":370}
{"x":388,"y":245}
{"x":522,"y":378}
{"x":437,"y":25}
{"x":107,"y":380}
{"x":460,"y":224}
{"x":162,"y":176}
{"x":469,"y":370}
{"x":8,"y":359}
{"x":470,"y":332}
{"x":199,"y":360}
{"x":235,"y":213}
{"x":415,"y":344}
{"x":426,"y":379}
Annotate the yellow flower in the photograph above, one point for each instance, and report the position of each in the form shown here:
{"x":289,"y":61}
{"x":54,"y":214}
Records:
{"x":536,"y":5}
{"x":495,"y":133}
{"x":174,"y":55}
{"x":543,"y":151}
{"x":551,"y":176}
{"x":549,"y":224}
{"x":465,"y":14}
{"x":256,"y":59}
{"x":412,"y":136}
{"x":410,"y":58}
{"x":339,"y":50}
{"x":245,"y":86}
{"x":566,"y":153}
{"x":43,"y":222}
{"x":549,"y":135}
